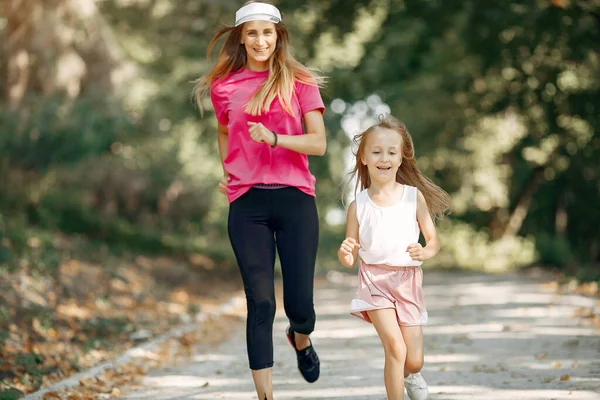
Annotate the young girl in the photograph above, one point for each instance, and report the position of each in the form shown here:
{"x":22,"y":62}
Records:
{"x":396,"y":202}
{"x":270,"y":119}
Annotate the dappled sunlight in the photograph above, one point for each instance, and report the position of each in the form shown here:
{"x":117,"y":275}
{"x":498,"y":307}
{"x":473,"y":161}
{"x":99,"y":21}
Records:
{"x":475,"y":392}
{"x":531,"y":312}
{"x":469,"y":353}
{"x":184,"y":381}
{"x":487,"y":140}
{"x":556,"y":331}
{"x":331,"y":294}
{"x":475,"y":249}
{"x":347,"y":356}
{"x":348,"y":51}
{"x":450,"y":358}
{"x":361,"y":392}
{"x":472,"y":300}
{"x":105,"y":160}
{"x":334,"y":310}
{"x":525,"y":335}
{"x":347,"y":333}
{"x":464,"y":328}
{"x":358,"y":393}
{"x":213,"y":357}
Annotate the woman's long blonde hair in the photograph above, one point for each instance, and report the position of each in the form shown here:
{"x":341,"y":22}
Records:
{"x":438,"y":201}
{"x":284,"y":70}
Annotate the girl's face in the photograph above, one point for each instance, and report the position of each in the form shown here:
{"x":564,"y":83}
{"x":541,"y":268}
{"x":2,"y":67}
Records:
{"x":260,"y":39}
{"x":382,"y":154}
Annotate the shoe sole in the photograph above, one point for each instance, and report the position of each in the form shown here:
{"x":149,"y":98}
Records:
{"x":289,"y":337}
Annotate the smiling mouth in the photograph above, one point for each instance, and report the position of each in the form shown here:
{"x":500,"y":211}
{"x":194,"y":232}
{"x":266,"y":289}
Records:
{"x":384,"y":168}
{"x":261,"y":50}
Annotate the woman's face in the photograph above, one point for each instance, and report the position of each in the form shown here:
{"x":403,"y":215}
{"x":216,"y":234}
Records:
{"x":259,"y":38}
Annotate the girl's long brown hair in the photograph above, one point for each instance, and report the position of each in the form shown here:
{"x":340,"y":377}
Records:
{"x":284,"y":70}
{"x":438,"y":201}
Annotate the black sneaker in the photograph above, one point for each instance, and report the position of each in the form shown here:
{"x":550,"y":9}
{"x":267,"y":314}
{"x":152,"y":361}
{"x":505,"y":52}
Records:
{"x":308,"y":361}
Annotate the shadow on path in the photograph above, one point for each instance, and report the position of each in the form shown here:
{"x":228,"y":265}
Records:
{"x":488,"y":337}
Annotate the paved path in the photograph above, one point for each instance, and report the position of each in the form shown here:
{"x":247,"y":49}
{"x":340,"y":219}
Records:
{"x":488,"y":337}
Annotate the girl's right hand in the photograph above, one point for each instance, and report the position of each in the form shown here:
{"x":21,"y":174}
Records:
{"x":346,"y":251}
{"x":223,"y":183}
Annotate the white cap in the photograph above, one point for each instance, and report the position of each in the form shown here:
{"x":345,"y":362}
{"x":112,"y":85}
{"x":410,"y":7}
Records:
{"x":257,"y":12}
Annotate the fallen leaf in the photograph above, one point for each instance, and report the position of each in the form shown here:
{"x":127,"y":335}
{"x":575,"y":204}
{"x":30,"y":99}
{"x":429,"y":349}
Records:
{"x":584,"y":312}
{"x":51,"y":395}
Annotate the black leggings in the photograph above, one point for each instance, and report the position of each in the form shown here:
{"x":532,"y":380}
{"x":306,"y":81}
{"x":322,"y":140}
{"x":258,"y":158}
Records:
{"x":259,"y":221}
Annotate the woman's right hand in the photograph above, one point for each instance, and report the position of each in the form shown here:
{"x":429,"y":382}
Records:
{"x":223,"y":183}
{"x":346,"y":251}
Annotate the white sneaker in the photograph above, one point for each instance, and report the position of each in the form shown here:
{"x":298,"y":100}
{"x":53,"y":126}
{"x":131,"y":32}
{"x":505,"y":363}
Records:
{"x":416,"y":387}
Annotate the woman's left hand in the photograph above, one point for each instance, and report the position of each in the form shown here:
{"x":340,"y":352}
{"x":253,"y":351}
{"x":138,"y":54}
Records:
{"x":417,"y":252}
{"x":260,"y":134}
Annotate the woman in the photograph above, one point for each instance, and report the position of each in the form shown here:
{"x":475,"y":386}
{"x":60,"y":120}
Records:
{"x":262,"y":97}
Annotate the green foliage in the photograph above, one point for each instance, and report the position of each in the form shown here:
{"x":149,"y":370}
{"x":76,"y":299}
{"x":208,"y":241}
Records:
{"x":23,"y":244}
{"x":10,"y":394}
{"x":500,"y":98}
{"x":15,"y":245}
{"x":554,"y":250}
{"x":28,"y":360}
{"x":3,"y":337}
{"x":5,"y":243}
{"x":465,"y":246}
{"x":98,"y":329}
{"x":52,"y":131}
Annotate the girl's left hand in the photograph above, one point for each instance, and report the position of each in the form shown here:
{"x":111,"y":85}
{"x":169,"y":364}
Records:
{"x":260,"y":134}
{"x":416,"y":251}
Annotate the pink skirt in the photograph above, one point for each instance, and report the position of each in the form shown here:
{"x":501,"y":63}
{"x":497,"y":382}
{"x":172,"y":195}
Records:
{"x":382,"y":286}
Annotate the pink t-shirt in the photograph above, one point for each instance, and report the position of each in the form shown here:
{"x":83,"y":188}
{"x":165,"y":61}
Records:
{"x":248,"y":162}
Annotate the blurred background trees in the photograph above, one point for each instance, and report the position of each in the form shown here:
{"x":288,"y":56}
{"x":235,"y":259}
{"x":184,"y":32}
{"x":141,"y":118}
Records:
{"x":110,"y":221}
{"x":100,"y":144}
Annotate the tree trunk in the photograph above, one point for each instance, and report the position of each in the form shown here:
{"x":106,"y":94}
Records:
{"x":21,"y":16}
{"x":56,"y":47}
{"x":522,"y":208}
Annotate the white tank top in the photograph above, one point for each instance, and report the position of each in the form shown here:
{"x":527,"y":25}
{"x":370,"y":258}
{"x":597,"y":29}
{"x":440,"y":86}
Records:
{"x":385,"y":232}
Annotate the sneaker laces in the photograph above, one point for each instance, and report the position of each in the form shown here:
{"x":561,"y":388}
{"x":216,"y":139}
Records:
{"x":416,"y":380}
{"x":307,"y":357}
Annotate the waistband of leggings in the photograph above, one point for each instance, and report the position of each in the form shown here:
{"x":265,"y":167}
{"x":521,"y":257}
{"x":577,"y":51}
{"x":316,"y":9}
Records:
{"x":269,"y":186}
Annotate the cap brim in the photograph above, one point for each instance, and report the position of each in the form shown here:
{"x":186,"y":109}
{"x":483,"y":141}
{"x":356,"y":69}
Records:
{"x":258,"y":17}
